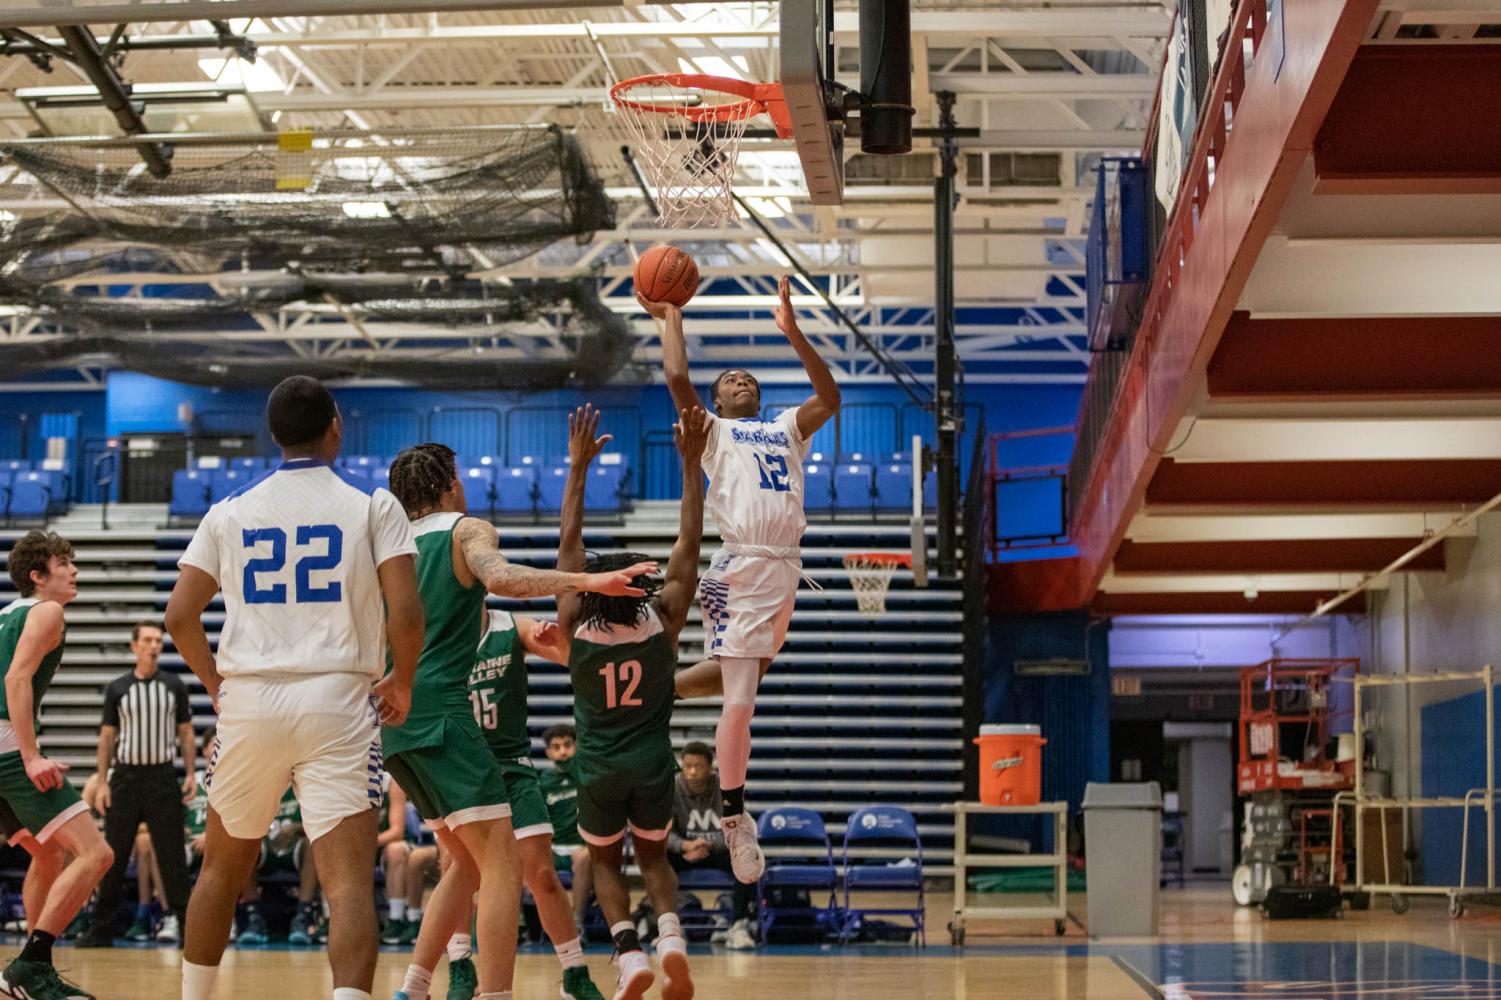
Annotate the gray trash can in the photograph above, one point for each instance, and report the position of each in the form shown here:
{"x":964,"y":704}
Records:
{"x":1123,"y":845}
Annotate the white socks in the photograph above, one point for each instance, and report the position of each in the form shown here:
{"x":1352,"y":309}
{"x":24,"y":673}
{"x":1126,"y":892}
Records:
{"x":198,"y":981}
{"x":417,"y":982}
{"x":670,"y":934}
{"x":414,"y":914}
{"x":350,"y":993}
{"x":570,"y":953}
{"x":504,"y":995}
{"x":397,"y":909}
{"x":460,"y":947}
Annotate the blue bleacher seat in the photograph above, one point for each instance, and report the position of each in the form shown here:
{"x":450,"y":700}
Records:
{"x":210,"y":462}
{"x":15,"y":465}
{"x":603,"y":488}
{"x":365,"y":462}
{"x":550,"y":487}
{"x":479,"y":489}
{"x":359,"y":474}
{"x":806,"y":864}
{"x":59,"y":483}
{"x":853,"y":486}
{"x":253,"y":464}
{"x":882,"y":826}
{"x":223,"y":482}
{"x":515,"y":490}
{"x":818,"y":487}
{"x":479,"y":461}
{"x":930,"y":491}
{"x":190,"y":490}
{"x":894,"y":486}
{"x":30,"y":496}
{"x":381,"y":477}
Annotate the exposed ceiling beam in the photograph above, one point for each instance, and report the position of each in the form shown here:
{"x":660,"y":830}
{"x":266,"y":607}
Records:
{"x":34,"y":13}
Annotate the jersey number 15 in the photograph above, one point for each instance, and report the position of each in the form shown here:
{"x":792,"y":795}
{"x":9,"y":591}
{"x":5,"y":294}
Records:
{"x":328,"y":542}
{"x":629,"y":674}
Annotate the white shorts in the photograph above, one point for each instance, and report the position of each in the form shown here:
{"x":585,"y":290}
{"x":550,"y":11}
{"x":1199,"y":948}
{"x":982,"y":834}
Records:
{"x":747,"y":602}
{"x":318,"y":733}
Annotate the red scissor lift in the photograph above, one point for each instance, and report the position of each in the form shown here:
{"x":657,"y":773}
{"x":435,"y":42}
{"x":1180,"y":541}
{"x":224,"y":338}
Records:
{"x":1289,"y":775}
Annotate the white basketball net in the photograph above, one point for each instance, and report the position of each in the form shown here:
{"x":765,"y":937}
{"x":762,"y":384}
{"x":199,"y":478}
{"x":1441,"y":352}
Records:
{"x":691,"y":163}
{"x":870,"y":579}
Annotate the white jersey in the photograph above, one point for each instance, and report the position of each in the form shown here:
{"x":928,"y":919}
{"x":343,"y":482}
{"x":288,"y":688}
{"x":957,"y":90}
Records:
{"x":295,"y":554}
{"x":755,"y":470}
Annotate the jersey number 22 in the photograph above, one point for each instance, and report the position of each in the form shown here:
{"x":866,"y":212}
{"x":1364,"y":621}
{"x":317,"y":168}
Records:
{"x":328,"y":538}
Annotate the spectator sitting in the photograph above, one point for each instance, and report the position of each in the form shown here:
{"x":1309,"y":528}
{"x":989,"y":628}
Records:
{"x":560,"y":789}
{"x":423,"y":865}
{"x":697,"y":841}
{"x":396,"y":849}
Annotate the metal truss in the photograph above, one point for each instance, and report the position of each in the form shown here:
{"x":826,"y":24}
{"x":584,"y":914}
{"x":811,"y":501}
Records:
{"x":1067,"y":82}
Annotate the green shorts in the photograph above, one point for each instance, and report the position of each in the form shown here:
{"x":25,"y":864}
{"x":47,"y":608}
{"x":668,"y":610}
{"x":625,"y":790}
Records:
{"x":39,"y":813}
{"x":524,"y":792}
{"x":612,"y":802}
{"x":454,"y":783}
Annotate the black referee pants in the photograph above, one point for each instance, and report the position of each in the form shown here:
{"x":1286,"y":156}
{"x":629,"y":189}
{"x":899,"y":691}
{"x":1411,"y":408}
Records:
{"x":148,"y":794}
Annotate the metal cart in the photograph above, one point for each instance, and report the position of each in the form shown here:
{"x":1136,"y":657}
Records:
{"x":964,"y":860}
{"x":1359,"y":803}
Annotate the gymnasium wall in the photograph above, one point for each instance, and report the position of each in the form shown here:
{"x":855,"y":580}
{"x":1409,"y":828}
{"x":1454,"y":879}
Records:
{"x":1437,"y":622}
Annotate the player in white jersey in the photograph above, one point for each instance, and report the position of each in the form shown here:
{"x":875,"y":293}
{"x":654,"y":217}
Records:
{"x":317,"y":572}
{"x":755,"y":470}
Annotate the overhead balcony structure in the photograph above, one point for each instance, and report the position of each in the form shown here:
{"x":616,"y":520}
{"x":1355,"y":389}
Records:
{"x":1312,"y":391}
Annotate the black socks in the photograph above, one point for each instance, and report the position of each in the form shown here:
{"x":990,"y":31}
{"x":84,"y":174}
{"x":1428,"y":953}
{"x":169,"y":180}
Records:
{"x":627,"y":940}
{"x":733,"y":800}
{"x":38,"y":948}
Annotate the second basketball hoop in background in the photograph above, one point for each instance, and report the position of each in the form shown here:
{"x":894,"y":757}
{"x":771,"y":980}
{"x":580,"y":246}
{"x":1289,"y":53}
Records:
{"x":870,"y":577}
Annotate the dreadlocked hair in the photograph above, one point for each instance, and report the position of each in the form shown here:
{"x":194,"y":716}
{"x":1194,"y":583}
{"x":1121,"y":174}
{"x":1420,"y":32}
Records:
{"x":421,"y":475}
{"x":603,"y":612}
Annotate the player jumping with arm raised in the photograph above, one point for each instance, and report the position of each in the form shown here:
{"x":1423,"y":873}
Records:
{"x":755,"y":470}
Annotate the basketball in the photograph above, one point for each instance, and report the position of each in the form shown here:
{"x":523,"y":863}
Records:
{"x":666,"y":274}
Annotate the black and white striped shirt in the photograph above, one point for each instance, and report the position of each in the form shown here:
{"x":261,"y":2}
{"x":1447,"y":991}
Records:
{"x":147,"y":714}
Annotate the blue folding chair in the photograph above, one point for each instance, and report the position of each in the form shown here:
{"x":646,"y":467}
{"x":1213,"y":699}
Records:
{"x":854,"y":488}
{"x":479,"y":490}
{"x":818,"y":487}
{"x":189,"y":494}
{"x":711,"y":916}
{"x":806,"y":865}
{"x":516,"y":490}
{"x":882,"y":826}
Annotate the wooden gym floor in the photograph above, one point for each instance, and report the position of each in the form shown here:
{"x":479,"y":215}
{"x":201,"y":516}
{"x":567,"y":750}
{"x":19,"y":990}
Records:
{"x":1209,"y":950}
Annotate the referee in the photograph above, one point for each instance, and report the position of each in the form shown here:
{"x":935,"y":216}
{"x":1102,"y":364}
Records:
{"x":146,"y":716}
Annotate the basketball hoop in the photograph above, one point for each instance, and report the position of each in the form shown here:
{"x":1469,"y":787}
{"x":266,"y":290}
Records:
{"x":688,"y":127}
{"x":870,"y":577}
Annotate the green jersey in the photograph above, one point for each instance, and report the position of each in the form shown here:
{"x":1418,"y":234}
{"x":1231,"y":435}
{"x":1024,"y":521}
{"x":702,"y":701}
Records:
{"x":196,"y":811}
{"x":497,"y":688}
{"x":622,"y":698}
{"x":454,"y":616}
{"x":12,"y":622}
{"x":560,"y":789}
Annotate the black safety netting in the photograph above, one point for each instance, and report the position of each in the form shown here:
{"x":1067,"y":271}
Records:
{"x":420,"y":199}
{"x":586,"y":343}
{"x":374,"y":232}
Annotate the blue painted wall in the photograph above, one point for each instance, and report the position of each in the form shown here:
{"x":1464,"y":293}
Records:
{"x":1453,"y":762}
{"x":1074,"y":712}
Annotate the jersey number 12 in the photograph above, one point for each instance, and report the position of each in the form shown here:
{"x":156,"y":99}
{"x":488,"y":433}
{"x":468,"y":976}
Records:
{"x":773,"y":469}
{"x":629,"y":674}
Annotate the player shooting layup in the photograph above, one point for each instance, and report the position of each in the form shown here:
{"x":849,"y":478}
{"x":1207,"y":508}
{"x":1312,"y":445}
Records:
{"x":317,"y":572}
{"x":755,"y":470}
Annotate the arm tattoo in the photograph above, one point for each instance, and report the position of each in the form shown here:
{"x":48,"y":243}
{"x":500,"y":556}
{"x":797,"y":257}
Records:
{"x":482,"y":553}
